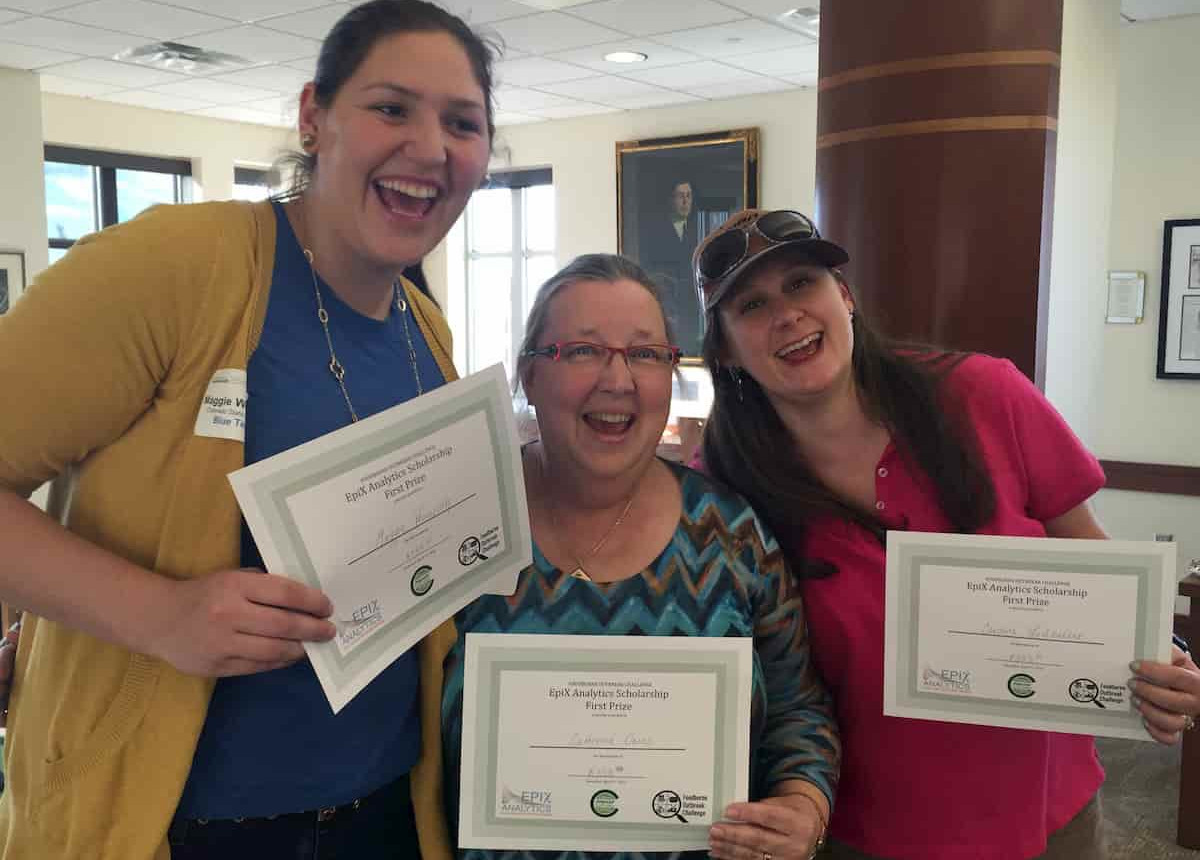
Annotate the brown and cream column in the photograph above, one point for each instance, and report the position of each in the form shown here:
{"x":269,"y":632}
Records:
{"x":935,"y":165}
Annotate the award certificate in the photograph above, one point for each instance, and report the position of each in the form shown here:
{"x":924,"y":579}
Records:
{"x":1033,"y":633}
{"x":401,"y":519}
{"x":602,"y":743}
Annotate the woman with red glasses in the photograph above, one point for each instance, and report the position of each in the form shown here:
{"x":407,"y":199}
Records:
{"x":837,"y":436}
{"x":626,"y":543}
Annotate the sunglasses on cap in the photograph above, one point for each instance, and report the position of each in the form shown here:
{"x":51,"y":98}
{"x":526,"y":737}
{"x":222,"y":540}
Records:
{"x":724,"y":252}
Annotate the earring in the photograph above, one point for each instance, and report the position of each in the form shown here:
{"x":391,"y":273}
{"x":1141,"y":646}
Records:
{"x":307,"y":140}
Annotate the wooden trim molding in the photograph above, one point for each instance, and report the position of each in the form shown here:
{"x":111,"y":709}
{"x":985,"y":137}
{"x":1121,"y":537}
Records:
{"x":944,"y":61}
{"x":938,"y":126}
{"x":1152,"y":477}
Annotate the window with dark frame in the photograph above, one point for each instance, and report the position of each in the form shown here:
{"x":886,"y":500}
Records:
{"x":88,"y":190}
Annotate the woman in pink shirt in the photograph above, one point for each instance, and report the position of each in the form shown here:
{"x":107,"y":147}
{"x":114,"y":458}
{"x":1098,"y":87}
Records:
{"x":835,"y":436}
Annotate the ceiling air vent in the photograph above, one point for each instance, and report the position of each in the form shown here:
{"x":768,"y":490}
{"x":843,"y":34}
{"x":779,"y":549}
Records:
{"x":177,"y":57}
{"x":806,"y":20}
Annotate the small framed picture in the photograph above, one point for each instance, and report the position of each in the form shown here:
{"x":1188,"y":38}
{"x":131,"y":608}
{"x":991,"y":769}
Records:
{"x":670,"y":193}
{"x":12,"y":278}
{"x":1179,"y":308}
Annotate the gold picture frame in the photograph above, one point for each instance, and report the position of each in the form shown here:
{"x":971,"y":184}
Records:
{"x":671,"y":191}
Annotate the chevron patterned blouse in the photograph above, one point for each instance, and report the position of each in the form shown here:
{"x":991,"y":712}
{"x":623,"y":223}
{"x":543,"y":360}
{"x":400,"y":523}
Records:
{"x":721,"y":575}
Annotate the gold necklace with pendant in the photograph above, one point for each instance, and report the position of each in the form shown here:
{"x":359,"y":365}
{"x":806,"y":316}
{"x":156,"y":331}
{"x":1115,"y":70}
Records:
{"x":580,"y":572}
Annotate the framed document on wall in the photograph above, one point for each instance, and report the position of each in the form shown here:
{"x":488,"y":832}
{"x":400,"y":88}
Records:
{"x":1179,"y":309}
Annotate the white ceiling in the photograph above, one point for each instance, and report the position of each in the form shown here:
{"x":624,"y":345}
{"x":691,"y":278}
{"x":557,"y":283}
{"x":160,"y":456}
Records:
{"x":553,"y":62}
{"x":553,"y":65}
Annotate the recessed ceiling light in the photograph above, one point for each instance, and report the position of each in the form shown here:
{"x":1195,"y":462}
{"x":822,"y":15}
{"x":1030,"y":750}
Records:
{"x":625,"y":57}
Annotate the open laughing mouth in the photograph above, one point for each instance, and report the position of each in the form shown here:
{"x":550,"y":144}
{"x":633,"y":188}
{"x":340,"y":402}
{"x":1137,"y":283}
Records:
{"x":610,"y":424}
{"x":407,"y":199}
{"x":801,"y":350}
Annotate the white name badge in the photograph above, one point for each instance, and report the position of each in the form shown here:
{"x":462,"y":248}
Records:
{"x":223,"y":411}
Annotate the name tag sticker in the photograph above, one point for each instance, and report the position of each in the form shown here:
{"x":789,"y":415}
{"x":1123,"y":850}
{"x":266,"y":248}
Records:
{"x":223,"y":410}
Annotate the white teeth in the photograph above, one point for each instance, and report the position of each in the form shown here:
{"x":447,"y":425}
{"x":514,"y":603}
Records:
{"x":412,"y":189}
{"x":800,"y":344}
{"x":610,"y":417}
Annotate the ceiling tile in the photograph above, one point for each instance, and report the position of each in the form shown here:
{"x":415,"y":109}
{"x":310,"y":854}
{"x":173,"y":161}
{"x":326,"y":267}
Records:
{"x":26,"y":57}
{"x":213,"y":91}
{"x":238,"y":114}
{"x":73,"y":87}
{"x":806,"y":79}
{"x":659,"y":16}
{"x":771,"y":8}
{"x":247,"y":10}
{"x":510,"y":118}
{"x":307,"y":66}
{"x":7,"y":15}
{"x":282,"y":79}
{"x":551,"y":5}
{"x":552,"y":31}
{"x":37,"y":7}
{"x":739,"y":37}
{"x":605,"y":89}
{"x":258,"y":44}
{"x":152,"y":20}
{"x":315,"y":23}
{"x":790,"y":61}
{"x":661,"y":99}
{"x":748,"y":87}
{"x":656,"y":55}
{"x":531,"y":71}
{"x":517,"y":99}
{"x":576,"y":109}
{"x":689,"y":76}
{"x":156,"y":101}
{"x":486,"y":11}
{"x":282,"y":108}
{"x":62,"y":36}
{"x":1143,"y":10}
{"x":124,"y":75}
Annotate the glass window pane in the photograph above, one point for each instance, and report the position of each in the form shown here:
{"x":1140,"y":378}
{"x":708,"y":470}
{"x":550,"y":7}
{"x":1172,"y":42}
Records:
{"x":141,"y":189}
{"x":251,"y":192}
{"x":70,"y":200}
{"x":539,"y":218}
{"x":538,"y":270}
{"x":57,"y":254}
{"x":490,"y":217}
{"x":489,"y":299}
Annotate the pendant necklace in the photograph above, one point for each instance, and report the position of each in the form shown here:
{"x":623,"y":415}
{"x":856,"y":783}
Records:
{"x":580,"y":572}
{"x":335,"y":366}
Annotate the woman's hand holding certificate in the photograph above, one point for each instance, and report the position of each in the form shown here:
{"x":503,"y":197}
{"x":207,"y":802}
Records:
{"x":401,"y":519}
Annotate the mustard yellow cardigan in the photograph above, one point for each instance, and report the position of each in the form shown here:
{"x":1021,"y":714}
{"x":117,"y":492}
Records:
{"x":103,"y":364}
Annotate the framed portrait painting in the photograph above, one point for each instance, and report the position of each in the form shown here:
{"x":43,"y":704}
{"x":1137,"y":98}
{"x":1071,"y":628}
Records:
{"x":1179,"y":309}
{"x":12,"y":277}
{"x":671,"y":192}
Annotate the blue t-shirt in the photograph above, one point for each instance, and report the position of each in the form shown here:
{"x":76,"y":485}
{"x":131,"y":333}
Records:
{"x":270,"y":743}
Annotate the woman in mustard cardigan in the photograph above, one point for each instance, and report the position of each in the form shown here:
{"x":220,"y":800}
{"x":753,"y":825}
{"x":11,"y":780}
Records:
{"x":161,"y":705}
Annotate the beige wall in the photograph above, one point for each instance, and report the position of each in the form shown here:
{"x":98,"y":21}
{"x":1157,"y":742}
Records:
{"x":23,"y":215}
{"x":214,"y":146}
{"x":1082,"y":203}
{"x":1156,"y":177}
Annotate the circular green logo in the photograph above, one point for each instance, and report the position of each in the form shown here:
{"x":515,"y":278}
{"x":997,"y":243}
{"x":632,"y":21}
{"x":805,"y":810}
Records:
{"x":604,"y":803}
{"x":1021,"y":685}
{"x":422,"y":580}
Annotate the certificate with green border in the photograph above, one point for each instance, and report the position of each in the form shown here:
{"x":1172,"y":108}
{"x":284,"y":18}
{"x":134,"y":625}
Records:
{"x":1028,"y":633}
{"x":402,"y":519}
{"x":602,"y":743}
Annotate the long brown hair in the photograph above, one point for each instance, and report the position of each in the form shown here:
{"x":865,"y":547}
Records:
{"x":747,"y":446}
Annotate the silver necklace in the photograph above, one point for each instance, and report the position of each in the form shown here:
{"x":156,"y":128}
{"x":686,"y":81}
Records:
{"x":335,"y":366}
